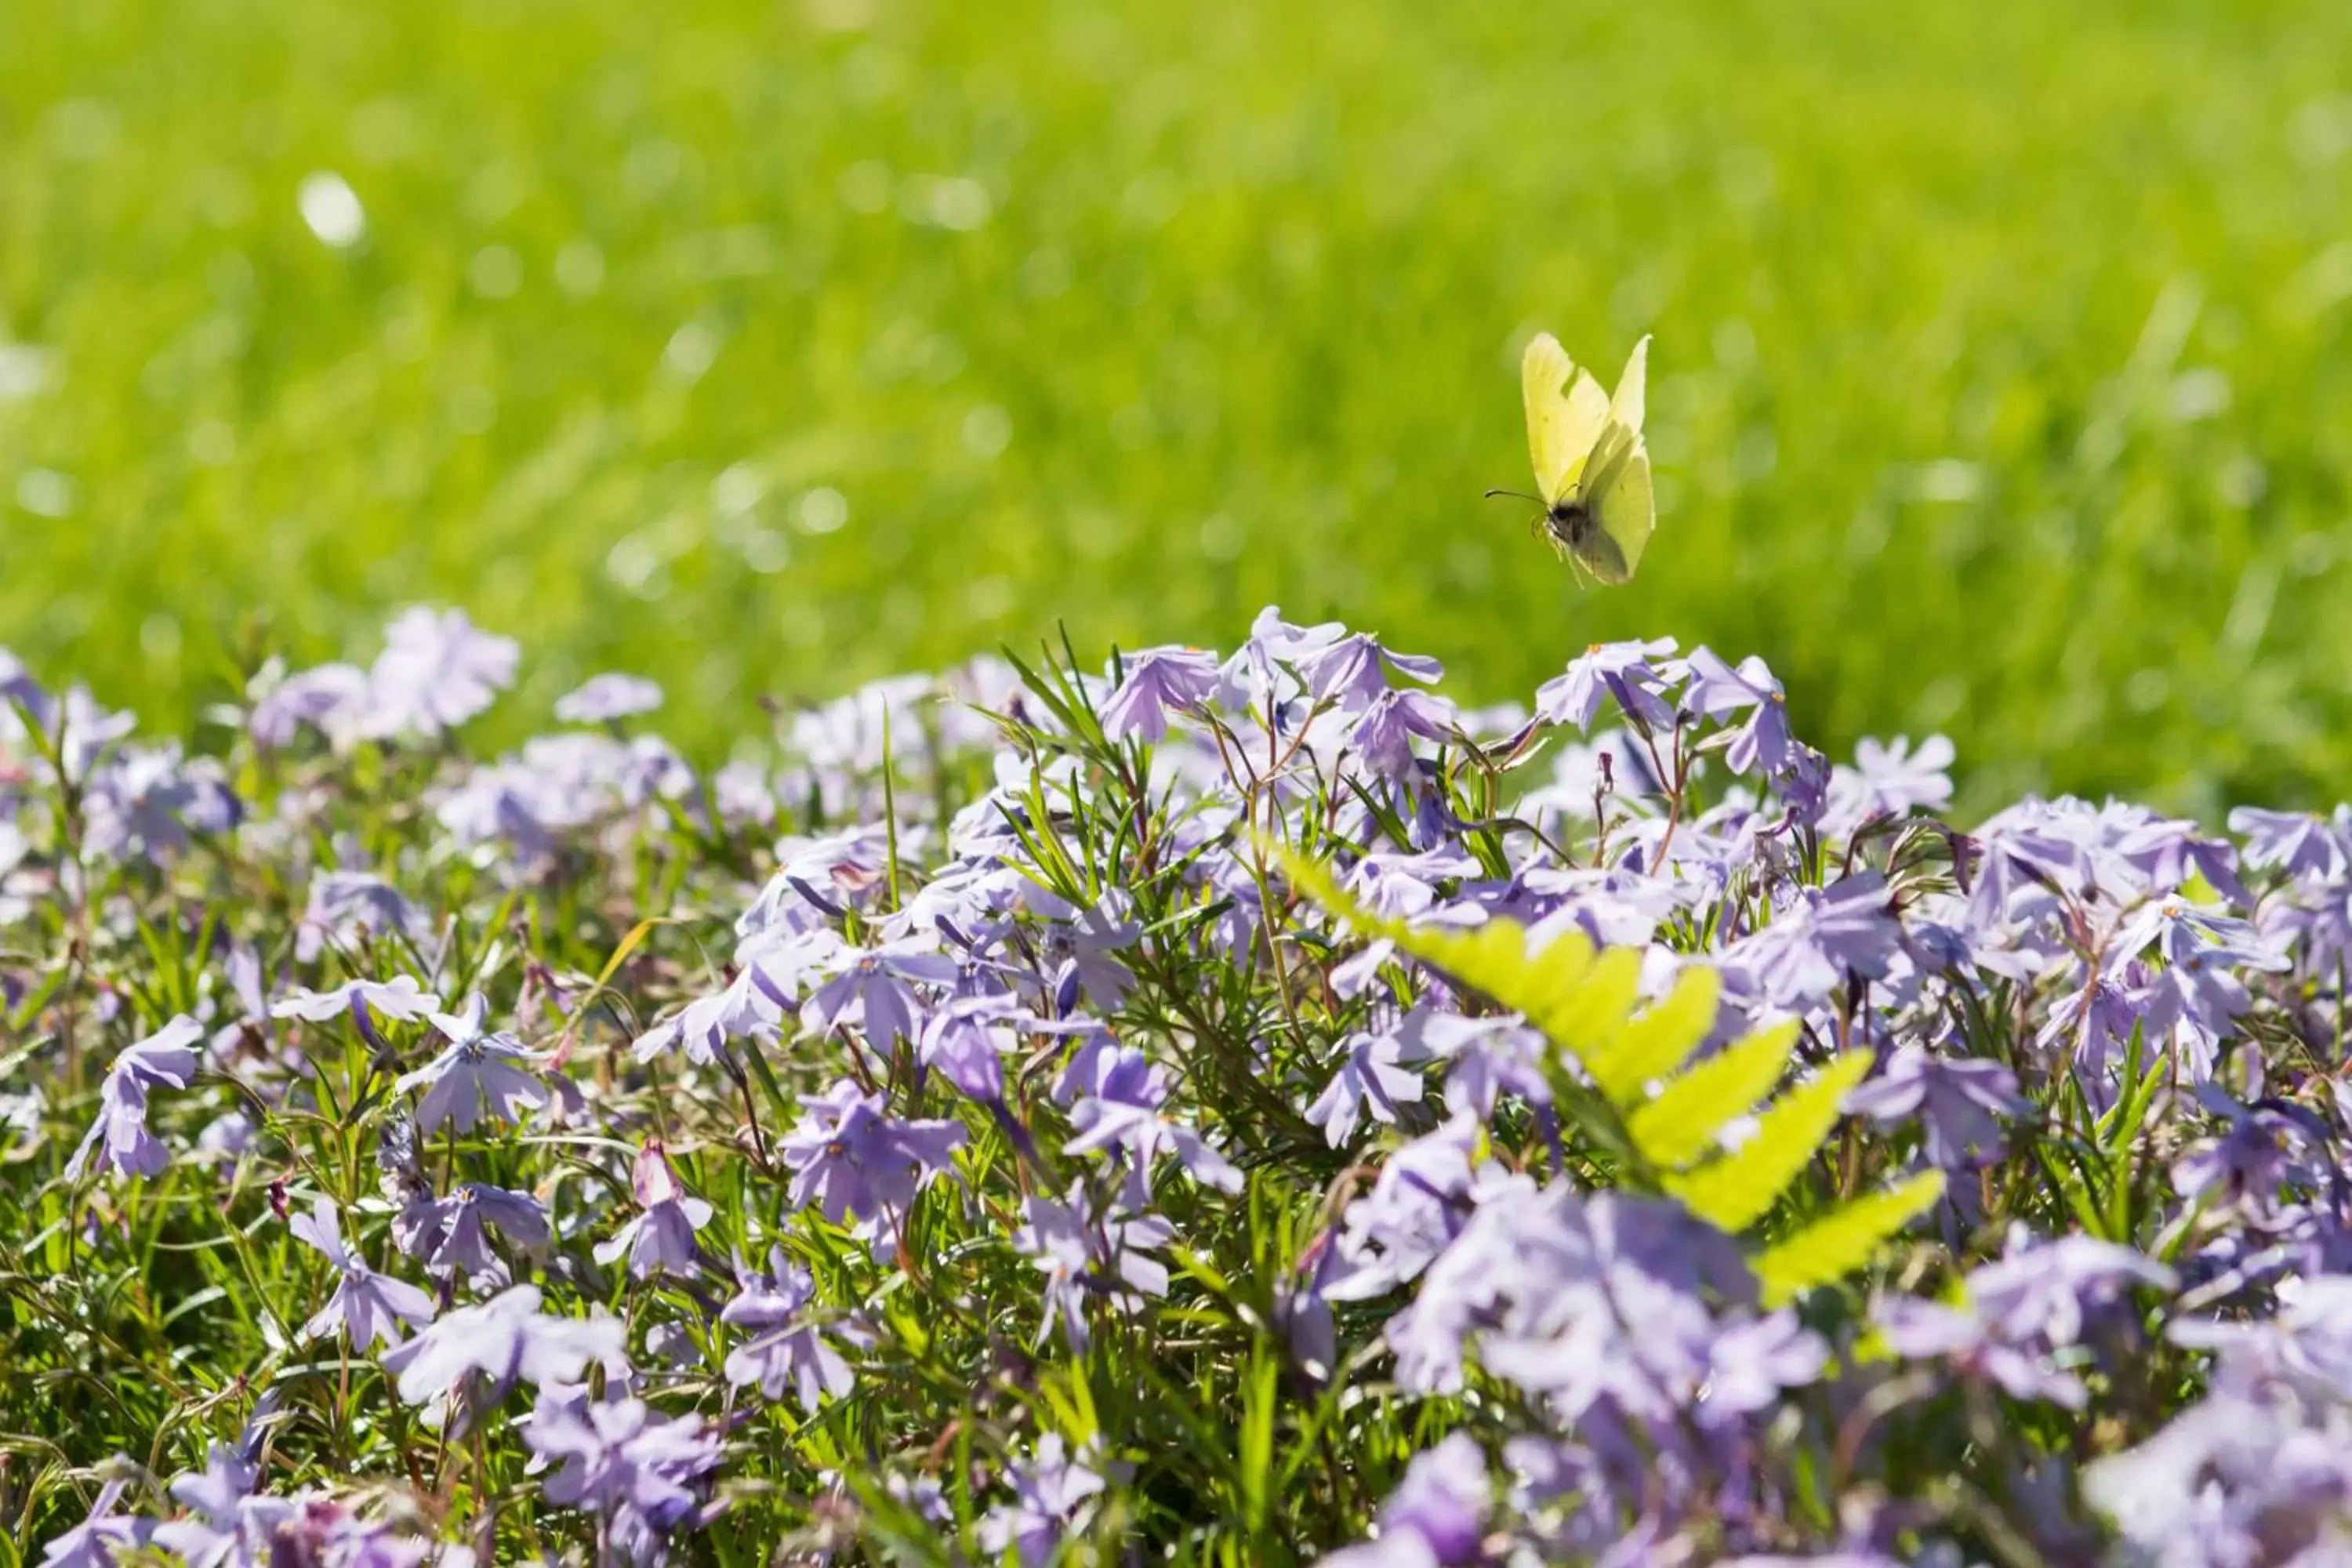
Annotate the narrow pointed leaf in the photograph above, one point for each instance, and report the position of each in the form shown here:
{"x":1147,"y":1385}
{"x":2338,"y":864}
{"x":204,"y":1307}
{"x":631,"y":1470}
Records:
{"x":1661,"y":1039}
{"x":1682,"y":1121}
{"x":1740,"y":1189}
{"x":1842,"y":1243}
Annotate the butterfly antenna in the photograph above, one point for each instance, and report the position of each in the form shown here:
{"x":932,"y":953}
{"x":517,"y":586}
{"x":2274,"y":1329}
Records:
{"x":1515,"y":495}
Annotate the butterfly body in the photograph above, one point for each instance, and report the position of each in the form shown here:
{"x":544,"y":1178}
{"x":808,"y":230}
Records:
{"x":1592,"y":471}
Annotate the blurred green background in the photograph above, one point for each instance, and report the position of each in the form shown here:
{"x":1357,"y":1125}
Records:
{"x":2000,"y":386}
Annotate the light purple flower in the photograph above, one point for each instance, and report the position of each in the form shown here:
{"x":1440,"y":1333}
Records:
{"x":1437,"y":1515}
{"x":2249,"y":1158}
{"x":1717,"y":691}
{"x":1354,"y":671}
{"x":119,"y":1139}
{"x":1637,"y":676}
{"x":366,"y":1306}
{"x":1420,"y":1200}
{"x":2045,"y":1290}
{"x":1053,"y":1495}
{"x":966,"y":1040}
{"x":603,"y":699}
{"x":1894,"y":779}
{"x":436,"y":672}
{"x":1121,"y":1110}
{"x":399,"y":997}
{"x":1157,"y":682}
{"x":640,"y":1472}
{"x":504,"y":1340}
{"x":785,"y":1349}
{"x":1959,"y":1102}
{"x":102,"y":1537}
{"x":1374,"y":1076}
{"x":660,"y":1239}
{"x":1257,"y":675}
{"x":331,"y":699}
{"x":875,"y":987}
{"x":2307,"y":847}
{"x":1087,"y":1257}
{"x":853,"y":1162}
{"x":1821,"y":937}
{"x":449,"y":1234}
{"x":346,"y":906}
{"x":1384,"y":732}
{"x":479,"y":1067}
{"x":226,"y":1524}
{"x":1929,"y":1330}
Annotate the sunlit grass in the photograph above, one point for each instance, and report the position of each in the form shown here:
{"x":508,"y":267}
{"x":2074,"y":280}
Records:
{"x":1999,"y":385}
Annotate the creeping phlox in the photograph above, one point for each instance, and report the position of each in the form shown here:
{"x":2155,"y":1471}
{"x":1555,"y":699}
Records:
{"x":1201,"y":1108}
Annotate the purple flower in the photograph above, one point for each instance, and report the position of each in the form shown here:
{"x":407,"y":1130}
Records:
{"x":366,"y":1306}
{"x":660,"y":1239}
{"x":101,"y":1538}
{"x":1156,"y":681}
{"x":1354,"y":671}
{"x":1384,"y":733}
{"x":119,"y":1137}
{"x":1488,"y":1058}
{"x":748,"y":1008}
{"x":854,"y":1162}
{"x":1255,"y":676}
{"x":1926,"y":1331}
{"x":785,"y":1349}
{"x":1121,"y":1110}
{"x":2096,"y":1024}
{"x":399,"y":997}
{"x":876,"y":987}
{"x":1959,"y":1102}
{"x":1637,"y":676}
{"x":1419,"y":1203}
{"x":1892,"y":779}
{"x":346,"y":906}
{"x":2045,"y":1290}
{"x":1717,"y":691}
{"x":1053,"y":1495}
{"x":1088,"y":1258}
{"x":1823,"y":936}
{"x":436,"y":672}
{"x":331,"y":699}
{"x":2307,"y":847}
{"x":1374,"y":1076}
{"x":2248,"y":1161}
{"x":226,"y":1524}
{"x":605,"y":699}
{"x":641,"y":1473}
{"x":478,"y":1069}
{"x":1437,"y":1515}
{"x":505,"y":1340}
{"x":966,"y":1040}
{"x":449,"y":1234}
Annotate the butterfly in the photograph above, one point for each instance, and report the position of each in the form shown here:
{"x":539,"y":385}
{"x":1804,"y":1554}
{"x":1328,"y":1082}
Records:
{"x":1592,"y":473}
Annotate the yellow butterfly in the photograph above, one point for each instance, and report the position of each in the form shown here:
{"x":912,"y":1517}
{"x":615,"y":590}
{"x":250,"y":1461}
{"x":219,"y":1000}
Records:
{"x":1592,"y":473}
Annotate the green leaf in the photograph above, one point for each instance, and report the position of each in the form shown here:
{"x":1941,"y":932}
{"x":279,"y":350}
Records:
{"x":1581,"y":998}
{"x":1678,"y":1125}
{"x":1840,"y":1243}
{"x":1740,"y":1189}
{"x":1660,"y":1040}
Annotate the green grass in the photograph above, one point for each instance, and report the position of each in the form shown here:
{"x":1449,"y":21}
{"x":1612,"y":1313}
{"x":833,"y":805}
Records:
{"x":1999,"y":383}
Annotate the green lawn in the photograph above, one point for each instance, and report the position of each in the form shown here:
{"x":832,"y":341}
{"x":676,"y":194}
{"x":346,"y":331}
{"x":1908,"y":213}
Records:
{"x":2000,"y":386}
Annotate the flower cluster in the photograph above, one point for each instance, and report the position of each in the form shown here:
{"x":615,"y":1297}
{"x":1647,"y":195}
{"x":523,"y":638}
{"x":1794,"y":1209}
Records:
{"x":1107,"y":1068}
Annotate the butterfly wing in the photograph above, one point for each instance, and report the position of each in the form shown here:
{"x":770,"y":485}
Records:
{"x":1624,"y":514}
{"x":1566,"y":414}
{"x":1632,"y":396}
{"x":1616,"y":481}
